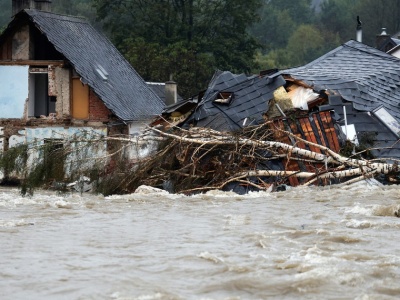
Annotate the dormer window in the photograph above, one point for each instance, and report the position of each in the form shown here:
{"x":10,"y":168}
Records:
{"x":224,"y":98}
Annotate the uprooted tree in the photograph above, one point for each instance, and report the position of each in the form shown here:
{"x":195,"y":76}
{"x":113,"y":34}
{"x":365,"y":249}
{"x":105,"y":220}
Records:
{"x":185,"y":161}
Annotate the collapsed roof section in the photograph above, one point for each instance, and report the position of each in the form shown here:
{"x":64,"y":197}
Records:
{"x":232,"y":102}
{"x":363,"y":75}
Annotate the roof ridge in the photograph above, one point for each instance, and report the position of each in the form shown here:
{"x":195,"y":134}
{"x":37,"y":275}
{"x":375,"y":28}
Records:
{"x":52,"y":15}
{"x":370,"y":50}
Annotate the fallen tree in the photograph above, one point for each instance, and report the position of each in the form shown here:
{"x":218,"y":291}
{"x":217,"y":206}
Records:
{"x":189,"y":161}
{"x":209,"y":159}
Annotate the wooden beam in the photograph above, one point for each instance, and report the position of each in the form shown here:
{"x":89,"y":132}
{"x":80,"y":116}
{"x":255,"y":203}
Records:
{"x":32,"y":63}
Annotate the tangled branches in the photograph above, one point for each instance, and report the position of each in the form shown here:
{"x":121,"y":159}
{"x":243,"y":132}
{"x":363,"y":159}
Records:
{"x":201,"y":159}
{"x":187,"y":161}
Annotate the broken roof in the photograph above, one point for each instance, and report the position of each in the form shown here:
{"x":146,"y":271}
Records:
{"x":99,"y":64}
{"x":249,"y":100}
{"x":361,"y":74}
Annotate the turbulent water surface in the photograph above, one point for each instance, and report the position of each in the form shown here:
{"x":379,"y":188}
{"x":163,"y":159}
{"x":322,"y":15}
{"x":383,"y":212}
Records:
{"x":305,"y":243}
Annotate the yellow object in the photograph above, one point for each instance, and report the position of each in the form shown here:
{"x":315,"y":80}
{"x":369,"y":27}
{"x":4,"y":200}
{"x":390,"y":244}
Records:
{"x":176,"y":114}
{"x":80,"y":99}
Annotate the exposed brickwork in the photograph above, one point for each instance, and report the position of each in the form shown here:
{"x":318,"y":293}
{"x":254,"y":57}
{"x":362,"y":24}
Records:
{"x":52,"y":81}
{"x":97,"y":110}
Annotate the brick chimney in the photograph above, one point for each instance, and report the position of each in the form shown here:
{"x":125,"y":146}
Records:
{"x":381,"y":38}
{"x":18,"y":5}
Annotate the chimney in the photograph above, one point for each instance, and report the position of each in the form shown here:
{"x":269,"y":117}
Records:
{"x":18,"y":5}
{"x":359,"y":30}
{"x":380,"y":38}
{"x":171,"y":92}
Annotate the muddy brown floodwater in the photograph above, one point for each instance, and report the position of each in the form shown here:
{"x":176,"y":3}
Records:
{"x":305,"y":243}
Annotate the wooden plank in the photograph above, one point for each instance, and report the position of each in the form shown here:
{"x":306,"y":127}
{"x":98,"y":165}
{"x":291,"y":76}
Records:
{"x":31,"y":62}
{"x":319,"y":130}
{"x":330,"y":131}
{"x":307,"y":129}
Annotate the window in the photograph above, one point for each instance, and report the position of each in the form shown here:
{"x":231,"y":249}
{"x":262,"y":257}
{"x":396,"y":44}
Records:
{"x":40,"y":103}
{"x":224,"y":98}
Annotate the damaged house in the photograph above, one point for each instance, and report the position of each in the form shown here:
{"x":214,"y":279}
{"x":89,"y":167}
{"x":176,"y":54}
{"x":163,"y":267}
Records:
{"x":358,"y":85}
{"x":346,"y":100}
{"x":59,"y":77}
{"x":363,"y":89}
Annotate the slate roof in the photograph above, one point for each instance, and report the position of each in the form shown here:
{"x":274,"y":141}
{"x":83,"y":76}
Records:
{"x":361,"y":74}
{"x":366,"y":78}
{"x":251,"y":96}
{"x":124,"y":92}
{"x":159,"y":89}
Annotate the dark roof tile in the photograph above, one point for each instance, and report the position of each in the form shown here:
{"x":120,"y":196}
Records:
{"x":251,"y":99}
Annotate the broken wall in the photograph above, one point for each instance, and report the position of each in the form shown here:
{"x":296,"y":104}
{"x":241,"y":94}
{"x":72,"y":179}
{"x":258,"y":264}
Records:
{"x":59,"y":86}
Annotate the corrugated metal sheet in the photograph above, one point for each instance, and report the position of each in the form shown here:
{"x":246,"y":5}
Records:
{"x":124,"y":92}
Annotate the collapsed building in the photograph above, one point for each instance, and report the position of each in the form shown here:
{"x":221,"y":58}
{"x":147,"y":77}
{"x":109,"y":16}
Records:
{"x":346,"y":100}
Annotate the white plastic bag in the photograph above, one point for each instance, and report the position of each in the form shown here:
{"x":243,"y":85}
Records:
{"x":302,"y":96}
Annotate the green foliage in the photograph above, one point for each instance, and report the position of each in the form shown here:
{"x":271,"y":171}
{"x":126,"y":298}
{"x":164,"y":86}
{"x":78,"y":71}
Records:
{"x":378,"y":14}
{"x":157,"y":63}
{"x":339,"y":17}
{"x":13,"y":161}
{"x":278,"y":20}
{"x":366,"y":141}
{"x":305,"y":44}
{"x":186,"y":36}
{"x":5,"y":13}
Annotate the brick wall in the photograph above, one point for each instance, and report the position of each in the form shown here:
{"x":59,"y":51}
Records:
{"x":97,"y":110}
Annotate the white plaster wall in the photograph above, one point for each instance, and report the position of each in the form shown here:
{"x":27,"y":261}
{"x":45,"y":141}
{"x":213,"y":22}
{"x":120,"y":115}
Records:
{"x":136,"y":128}
{"x":140,"y":148}
{"x":36,"y":137}
{"x":13,"y":90}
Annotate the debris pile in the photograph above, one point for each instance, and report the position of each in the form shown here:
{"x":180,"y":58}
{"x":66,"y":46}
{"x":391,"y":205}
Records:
{"x":201,"y":159}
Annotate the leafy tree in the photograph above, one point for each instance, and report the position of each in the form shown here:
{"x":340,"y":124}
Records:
{"x":82,"y":8}
{"x":158,"y":63}
{"x":5,"y":13}
{"x":278,"y":20}
{"x":305,"y":44}
{"x":377,"y":15}
{"x":212,"y":32}
{"x":339,"y":17}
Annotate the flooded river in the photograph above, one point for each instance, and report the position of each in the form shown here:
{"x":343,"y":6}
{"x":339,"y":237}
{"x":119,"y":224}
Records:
{"x":305,"y":243}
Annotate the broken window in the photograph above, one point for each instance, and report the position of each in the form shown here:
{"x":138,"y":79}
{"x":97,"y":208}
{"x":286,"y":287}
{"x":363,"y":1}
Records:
{"x":13,"y":91}
{"x":224,"y":98}
{"x":40,"y":103}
